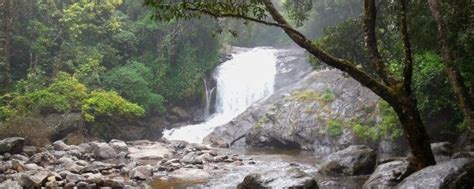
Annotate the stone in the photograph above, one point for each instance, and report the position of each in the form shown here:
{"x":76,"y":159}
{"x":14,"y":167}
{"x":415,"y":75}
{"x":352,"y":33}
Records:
{"x":442,"y":151}
{"x":389,"y":174}
{"x":13,"y":145}
{"x":30,"y":150}
{"x":74,"y":178}
{"x":192,"y":158}
{"x":96,"y":178}
{"x":96,"y":166}
{"x":141,"y":172}
{"x":180,"y":114}
{"x":32,"y":166}
{"x":289,"y":178}
{"x":20,"y":157}
{"x":149,"y":152}
{"x":102,"y":150}
{"x":354,"y":160}
{"x":60,"y":145}
{"x":456,"y":173}
{"x":118,"y":145}
{"x":43,"y":159}
{"x":116,"y":182}
{"x":33,"y":179}
{"x":190,"y":175}
{"x":10,"y":184}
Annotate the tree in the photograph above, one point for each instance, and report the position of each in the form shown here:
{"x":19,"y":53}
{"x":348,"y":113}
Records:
{"x":396,"y":91}
{"x":6,"y":6}
{"x":457,"y":82}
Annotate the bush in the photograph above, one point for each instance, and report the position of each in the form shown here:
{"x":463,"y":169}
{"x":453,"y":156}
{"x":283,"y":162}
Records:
{"x":132,"y":81}
{"x":334,"y":128}
{"x":44,"y":101}
{"x":108,"y":104}
{"x":70,"y":88}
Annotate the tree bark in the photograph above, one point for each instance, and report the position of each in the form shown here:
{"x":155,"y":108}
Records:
{"x":454,"y":77}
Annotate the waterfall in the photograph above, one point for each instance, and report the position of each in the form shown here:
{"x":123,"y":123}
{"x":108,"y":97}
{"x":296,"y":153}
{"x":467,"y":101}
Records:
{"x":245,"y":79}
{"x":208,"y":98}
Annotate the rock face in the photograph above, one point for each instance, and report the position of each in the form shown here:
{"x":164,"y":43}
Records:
{"x":312,"y":114}
{"x":12,"y":145}
{"x":354,"y":160}
{"x":388,"y":175}
{"x":456,"y":173}
{"x":291,"y":178}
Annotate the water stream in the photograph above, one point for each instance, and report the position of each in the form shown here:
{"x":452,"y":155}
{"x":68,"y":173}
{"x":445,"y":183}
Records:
{"x":245,"y":79}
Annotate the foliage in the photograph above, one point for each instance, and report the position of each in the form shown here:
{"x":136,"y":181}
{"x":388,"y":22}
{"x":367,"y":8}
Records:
{"x":390,"y":125}
{"x":365,"y":132}
{"x":264,"y":119}
{"x":108,"y":104}
{"x":305,"y":96}
{"x":132,"y":81}
{"x":328,"y":95}
{"x":334,"y":128}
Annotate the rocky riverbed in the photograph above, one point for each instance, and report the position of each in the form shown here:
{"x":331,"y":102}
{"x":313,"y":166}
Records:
{"x":177,"y":164}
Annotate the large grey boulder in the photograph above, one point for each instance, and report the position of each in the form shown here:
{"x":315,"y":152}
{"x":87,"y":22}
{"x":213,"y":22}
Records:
{"x":290,"y":178}
{"x":102,"y":150}
{"x":12,"y":145}
{"x":389,"y":174}
{"x":354,"y":160}
{"x":43,"y":159}
{"x":456,"y":173}
{"x":141,"y":172}
{"x":314,"y":114}
{"x":33,"y":179}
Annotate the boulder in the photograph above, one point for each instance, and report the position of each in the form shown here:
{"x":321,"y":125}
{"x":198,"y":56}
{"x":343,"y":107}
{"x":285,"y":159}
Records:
{"x":33,"y":179}
{"x":442,"y":151}
{"x":456,"y":173}
{"x":74,"y":178}
{"x":116,"y":182}
{"x":192,"y":158}
{"x":43,"y":159}
{"x":141,"y":172}
{"x":12,"y":145}
{"x":389,"y":174}
{"x":101,"y":150}
{"x":354,"y":160}
{"x":291,"y":178}
{"x":30,"y":150}
{"x":10,"y":184}
{"x":300,"y":116}
{"x":118,"y":145}
{"x":60,"y":145}
{"x":190,"y":175}
{"x":155,"y":151}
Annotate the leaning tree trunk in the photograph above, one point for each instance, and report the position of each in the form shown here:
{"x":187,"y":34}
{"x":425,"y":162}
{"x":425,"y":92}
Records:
{"x":415,"y":132}
{"x":454,"y":77}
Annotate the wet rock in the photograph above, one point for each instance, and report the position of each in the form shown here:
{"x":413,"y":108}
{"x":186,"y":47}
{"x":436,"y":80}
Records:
{"x":389,"y":174}
{"x":457,"y":173}
{"x":102,"y":150}
{"x":43,"y":159}
{"x":458,"y":155}
{"x":190,"y":175}
{"x":354,"y":160}
{"x":297,"y":116}
{"x":33,"y":179}
{"x":154,"y":151}
{"x":291,"y":178}
{"x":12,"y":145}
{"x":141,"y":172}
{"x":10,"y":184}
{"x":60,"y":145}
{"x":192,"y":158}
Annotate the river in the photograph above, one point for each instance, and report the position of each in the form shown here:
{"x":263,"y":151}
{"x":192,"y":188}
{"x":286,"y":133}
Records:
{"x":246,"y":79}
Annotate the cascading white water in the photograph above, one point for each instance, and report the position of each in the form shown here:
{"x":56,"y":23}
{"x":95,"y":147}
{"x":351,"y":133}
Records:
{"x":248,"y":77}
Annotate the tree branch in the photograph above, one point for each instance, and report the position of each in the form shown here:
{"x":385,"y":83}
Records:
{"x":370,"y":13}
{"x":344,"y":65}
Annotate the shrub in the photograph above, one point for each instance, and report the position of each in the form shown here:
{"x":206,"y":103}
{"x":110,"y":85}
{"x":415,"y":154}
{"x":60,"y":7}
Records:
{"x":327,"y":96}
{"x":365,"y":132}
{"x":70,"y":88}
{"x":132,"y":81}
{"x":108,"y":104}
{"x":334,"y":128}
{"x":44,"y":101}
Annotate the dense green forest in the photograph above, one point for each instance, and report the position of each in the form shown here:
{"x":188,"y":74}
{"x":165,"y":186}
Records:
{"x":104,"y":58}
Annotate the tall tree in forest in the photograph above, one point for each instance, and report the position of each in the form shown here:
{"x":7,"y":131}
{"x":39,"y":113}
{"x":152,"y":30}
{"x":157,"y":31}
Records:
{"x":457,"y":82}
{"x":6,"y":7}
{"x":397,"y":92}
